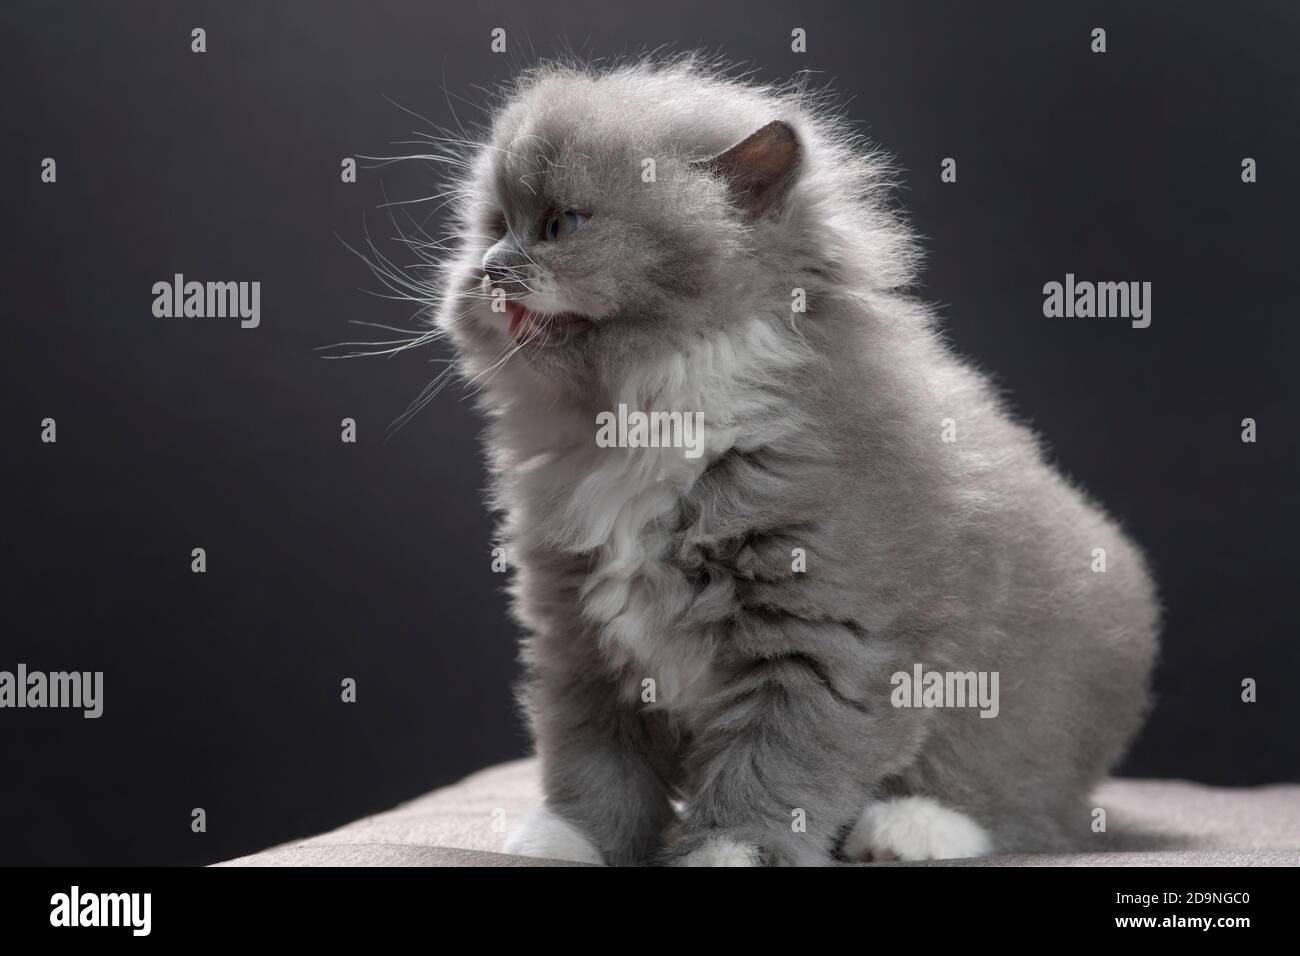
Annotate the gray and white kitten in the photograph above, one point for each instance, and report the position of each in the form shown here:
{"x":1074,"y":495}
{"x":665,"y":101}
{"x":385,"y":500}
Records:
{"x":713,"y":639}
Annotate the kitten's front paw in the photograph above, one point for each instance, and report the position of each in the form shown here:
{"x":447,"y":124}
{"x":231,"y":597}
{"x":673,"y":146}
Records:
{"x":743,"y":846}
{"x":914,"y":828}
{"x":546,"y":835}
{"x":721,"y":851}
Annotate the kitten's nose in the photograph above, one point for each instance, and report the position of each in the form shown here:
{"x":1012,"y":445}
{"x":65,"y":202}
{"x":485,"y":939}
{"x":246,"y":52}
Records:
{"x":504,"y":265}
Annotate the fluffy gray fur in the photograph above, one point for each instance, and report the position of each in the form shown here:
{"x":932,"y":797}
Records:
{"x":824,"y":434}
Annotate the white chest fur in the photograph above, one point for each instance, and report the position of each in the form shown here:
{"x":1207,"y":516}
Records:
{"x":619,"y":504}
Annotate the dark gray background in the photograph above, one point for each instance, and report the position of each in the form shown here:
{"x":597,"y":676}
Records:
{"x":371,"y":560}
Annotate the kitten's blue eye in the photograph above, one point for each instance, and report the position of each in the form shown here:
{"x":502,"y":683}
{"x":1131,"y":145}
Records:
{"x":562,"y":224}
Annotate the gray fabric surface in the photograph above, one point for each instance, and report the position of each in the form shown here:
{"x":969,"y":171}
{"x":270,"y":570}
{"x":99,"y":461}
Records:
{"x":1149,"y":823}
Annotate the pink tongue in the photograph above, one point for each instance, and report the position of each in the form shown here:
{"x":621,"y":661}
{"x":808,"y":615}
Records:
{"x":518,"y":314}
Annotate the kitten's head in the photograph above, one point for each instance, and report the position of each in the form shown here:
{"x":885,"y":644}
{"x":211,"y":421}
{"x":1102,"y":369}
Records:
{"x":613,"y":217}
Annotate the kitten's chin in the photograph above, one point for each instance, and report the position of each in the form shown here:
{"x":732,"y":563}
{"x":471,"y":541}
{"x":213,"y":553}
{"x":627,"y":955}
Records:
{"x":526,"y":326}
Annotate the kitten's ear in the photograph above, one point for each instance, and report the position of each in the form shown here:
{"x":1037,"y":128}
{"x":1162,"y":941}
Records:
{"x":759,"y":169}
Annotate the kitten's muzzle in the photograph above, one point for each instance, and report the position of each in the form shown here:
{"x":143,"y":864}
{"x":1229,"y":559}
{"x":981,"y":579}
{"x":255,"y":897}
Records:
{"x":506,"y":267}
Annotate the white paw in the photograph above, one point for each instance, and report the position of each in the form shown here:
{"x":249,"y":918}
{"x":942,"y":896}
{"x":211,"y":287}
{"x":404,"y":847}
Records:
{"x":722,"y":852}
{"x":545,"y":835}
{"x":915,"y":828}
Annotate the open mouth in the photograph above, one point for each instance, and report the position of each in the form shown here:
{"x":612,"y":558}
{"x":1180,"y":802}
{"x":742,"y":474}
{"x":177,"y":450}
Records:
{"x":527,"y":325}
